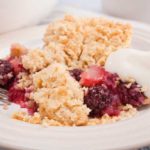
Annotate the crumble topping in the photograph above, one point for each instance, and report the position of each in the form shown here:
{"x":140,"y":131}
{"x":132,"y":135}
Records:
{"x":25,"y":80}
{"x":81,"y":42}
{"x":36,"y":60}
{"x":17,"y":50}
{"x":59,"y":96}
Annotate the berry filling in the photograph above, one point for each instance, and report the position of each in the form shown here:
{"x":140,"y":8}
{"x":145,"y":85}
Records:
{"x":92,"y":76}
{"x":107,"y":92}
{"x":16,"y":64}
{"x":18,"y":96}
{"x":6,"y":72}
{"x":9,"y":70}
{"x":131,"y":95}
{"x":101,"y":100}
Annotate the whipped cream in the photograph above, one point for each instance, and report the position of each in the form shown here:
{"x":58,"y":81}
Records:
{"x":131,"y":63}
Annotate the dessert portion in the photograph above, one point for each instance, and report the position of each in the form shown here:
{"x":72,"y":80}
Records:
{"x":66,"y":83}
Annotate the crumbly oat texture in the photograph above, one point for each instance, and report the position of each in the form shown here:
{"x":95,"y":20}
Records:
{"x":81,"y":42}
{"x":36,"y":60}
{"x":59,"y":96}
{"x":71,"y":42}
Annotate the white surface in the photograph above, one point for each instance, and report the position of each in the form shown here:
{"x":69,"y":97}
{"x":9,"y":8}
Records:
{"x":129,"y":9}
{"x":134,"y":132}
{"x":19,"y":13}
{"x":76,"y":5}
{"x":94,"y":5}
{"x":131,"y":63}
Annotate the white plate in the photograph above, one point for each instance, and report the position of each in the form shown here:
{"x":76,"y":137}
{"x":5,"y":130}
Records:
{"x":127,"y":134}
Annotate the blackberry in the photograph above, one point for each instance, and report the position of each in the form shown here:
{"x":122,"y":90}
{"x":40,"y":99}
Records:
{"x":131,"y":95}
{"x":101,"y":101}
{"x":75,"y":73}
{"x":6,"y":72}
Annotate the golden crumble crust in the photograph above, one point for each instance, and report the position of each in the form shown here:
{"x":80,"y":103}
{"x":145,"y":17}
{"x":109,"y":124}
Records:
{"x":36,"y":60}
{"x":85,"y":41}
{"x":78,"y":43}
{"x":59,"y":96}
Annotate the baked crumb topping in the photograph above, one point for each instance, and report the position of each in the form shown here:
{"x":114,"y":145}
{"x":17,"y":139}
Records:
{"x":81,"y":42}
{"x":59,"y":96}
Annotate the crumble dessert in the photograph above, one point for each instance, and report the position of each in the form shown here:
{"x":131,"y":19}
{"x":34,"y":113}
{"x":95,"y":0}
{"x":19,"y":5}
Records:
{"x":66,"y":84}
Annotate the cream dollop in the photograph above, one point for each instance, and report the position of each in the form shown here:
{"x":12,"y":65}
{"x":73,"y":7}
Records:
{"x":131,"y":63}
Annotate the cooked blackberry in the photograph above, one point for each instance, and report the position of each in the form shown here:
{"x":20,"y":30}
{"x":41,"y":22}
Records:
{"x":75,"y":73}
{"x":6,"y":72}
{"x":131,"y":95}
{"x":102,"y":101}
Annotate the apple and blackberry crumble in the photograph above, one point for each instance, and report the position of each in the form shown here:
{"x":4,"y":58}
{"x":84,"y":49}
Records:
{"x":66,"y":83}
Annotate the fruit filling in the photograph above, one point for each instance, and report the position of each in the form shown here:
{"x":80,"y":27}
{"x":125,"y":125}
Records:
{"x":6,"y":72}
{"x":20,"y":97}
{"x":107,"y":92}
